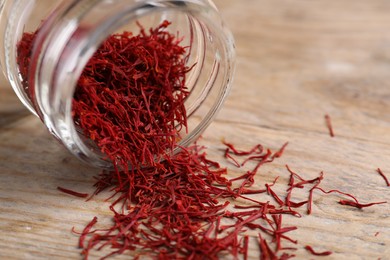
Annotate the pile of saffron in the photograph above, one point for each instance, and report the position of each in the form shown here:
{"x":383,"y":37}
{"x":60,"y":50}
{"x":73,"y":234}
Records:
{"x":130,"y":96}
{"x":129,"y":101}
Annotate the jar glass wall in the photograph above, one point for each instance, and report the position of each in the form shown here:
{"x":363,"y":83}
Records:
{"x":71,"y":31}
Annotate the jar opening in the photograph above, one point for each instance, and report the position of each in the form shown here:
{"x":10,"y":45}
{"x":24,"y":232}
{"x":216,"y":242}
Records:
{"x":66,"y":50}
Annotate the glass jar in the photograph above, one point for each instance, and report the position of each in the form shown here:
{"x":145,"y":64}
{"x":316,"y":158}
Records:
{"x":84,"y":25}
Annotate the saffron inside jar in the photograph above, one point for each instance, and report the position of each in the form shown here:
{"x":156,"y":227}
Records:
{"x":130,"y":97}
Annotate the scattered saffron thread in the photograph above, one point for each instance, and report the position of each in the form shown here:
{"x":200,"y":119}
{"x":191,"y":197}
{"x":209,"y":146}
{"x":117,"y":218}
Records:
{"x":359,"y":205}
{"x":329,"y":125}
{"x":311,"y":250}
{"x":130,"y":97}
{"x":73,"y":193}
{"x":281,"y":151}
{"x":86,"y":230}
{"x":384,"y":176}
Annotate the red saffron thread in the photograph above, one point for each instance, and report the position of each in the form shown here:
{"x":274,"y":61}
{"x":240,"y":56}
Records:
{"x":359,"y":205}
{"x":311,"y":250}
{"x":73,"y":193}
{"x":280,"y":152}
{"x":86,"y":231}
{"x":246,"y":246}
{"x":265,"y":251}
{"x":384,"y":176}
{"x":329,"y":125}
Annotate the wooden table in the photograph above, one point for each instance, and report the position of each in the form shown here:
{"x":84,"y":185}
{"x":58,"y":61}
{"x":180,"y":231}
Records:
{"x":297,"y":61}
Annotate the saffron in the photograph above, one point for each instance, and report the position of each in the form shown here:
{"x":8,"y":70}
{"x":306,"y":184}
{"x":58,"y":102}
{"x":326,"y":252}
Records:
{"x":329,"y":125}
{"x":130,"y":98}
{"x":311,"y":250}
{"x":129,"y":101}
{"x":86,"y":231}
{"x":73,"y":193}
{"x":359,"y":205}
{"x":383,"y":176}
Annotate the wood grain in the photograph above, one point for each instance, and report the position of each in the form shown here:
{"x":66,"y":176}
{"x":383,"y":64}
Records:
{"x":297,"y":61}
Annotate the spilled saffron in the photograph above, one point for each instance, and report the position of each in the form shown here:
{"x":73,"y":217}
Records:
{"x":86,"y":230}
{"x":73,"y":193}
{"x":130,"y":96}
{"x":359,"y":205}
{"x":329,"y":125}
{"x":383,"y":176}
{"x":311,"y":250}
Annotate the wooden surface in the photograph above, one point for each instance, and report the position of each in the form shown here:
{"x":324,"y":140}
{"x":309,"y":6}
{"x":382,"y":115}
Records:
{"x":297,"y":61}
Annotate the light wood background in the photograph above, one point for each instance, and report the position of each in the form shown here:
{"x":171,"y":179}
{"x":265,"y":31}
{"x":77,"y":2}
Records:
{"x":297,"y":61}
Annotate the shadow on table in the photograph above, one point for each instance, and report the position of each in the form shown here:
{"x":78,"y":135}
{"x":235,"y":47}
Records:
{"x":9,"y":117}
{"x":31,"y":159}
